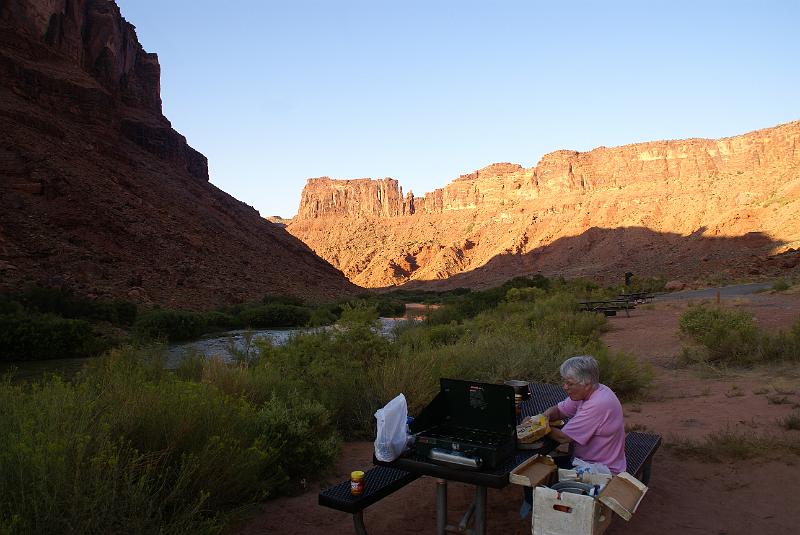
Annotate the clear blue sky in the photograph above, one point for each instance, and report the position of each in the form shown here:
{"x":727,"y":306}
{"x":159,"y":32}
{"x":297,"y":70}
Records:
{"x":275,"y":92}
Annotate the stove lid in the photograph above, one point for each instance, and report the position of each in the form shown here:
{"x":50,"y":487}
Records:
{"x":471,"y":404}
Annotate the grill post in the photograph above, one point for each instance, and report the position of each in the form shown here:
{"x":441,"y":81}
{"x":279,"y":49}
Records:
{"x":480,"y":510}
{"x":441,"y":506}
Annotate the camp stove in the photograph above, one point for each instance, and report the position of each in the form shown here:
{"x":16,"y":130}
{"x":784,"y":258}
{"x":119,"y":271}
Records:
{"x":467,"y":425}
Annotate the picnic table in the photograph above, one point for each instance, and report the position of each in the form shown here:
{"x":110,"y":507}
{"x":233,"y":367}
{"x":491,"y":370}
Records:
{"x":542,"y":397}
{"x":609,"y":307}
{"x":637,"y":297}
{"x":387,"y":477}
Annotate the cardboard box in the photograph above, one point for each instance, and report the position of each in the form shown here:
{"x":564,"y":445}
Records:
{"x":538,"y":470}
{"x":564,"y":513}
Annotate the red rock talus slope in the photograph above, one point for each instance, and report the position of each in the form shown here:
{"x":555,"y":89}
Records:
{"x":99,"y":194}
{"x":690,"y":209}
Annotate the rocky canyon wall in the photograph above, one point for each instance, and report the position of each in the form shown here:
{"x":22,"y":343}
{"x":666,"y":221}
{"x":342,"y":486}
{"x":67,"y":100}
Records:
{"x":83,"y":58}
{"x":100,"y":195}
{"x":697,"y":206}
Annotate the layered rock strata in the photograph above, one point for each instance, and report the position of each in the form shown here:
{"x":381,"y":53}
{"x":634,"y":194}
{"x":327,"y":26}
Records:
{"x":690,"y":208}
{"x":99,"y":194}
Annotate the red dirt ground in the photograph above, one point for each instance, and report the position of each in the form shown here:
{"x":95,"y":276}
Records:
{"x":686,"y":495}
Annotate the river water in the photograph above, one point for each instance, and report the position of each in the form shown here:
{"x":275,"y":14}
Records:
{"x":223,"y":345}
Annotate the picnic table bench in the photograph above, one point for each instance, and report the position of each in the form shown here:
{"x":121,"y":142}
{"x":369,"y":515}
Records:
{"x":608,"y":307}
{"x":379,"y":482}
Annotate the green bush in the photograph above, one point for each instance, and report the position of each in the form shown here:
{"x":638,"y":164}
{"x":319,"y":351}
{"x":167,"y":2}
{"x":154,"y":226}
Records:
{"x":728,"y":336}
{"x":129,"y":448}
{"x":64,"y":303}
{"x":172,"y":325}
{"x":780,"y":285}
{"x":36,"y":337}
{"x":323,"y":315}
{"x":218,"y":321}
{"x":732,"y":337}
{"x":275,"y":316}
{"x":389,"y":308}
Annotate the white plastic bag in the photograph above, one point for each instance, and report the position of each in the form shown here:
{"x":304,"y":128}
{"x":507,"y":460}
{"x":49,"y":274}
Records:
{"x":582,"y":467}
{"x":390,"y":440}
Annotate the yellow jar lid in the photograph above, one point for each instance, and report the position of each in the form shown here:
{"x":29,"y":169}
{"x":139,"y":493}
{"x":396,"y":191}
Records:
{"x":358,"y":474}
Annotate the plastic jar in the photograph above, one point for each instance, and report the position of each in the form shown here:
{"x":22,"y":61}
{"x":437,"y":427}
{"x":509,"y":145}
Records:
{"x":357,"y":483}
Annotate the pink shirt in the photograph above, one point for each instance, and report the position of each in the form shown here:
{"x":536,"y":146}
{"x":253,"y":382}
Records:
{"x":597,"y":429}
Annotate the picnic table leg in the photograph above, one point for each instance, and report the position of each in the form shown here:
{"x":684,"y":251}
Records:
{"x":441,"y":506}
{"x":646,"y":471}
{"x":480,"y":510}
{"x":462,"y":526}
{"x":358,"y":522}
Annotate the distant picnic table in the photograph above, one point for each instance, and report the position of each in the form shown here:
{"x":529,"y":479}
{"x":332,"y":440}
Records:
{"x":637,"y":297}
{"x":609,"y":307}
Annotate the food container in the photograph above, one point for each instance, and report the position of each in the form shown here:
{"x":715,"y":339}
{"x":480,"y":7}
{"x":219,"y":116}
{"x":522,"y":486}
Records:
{"x":532,"y":428}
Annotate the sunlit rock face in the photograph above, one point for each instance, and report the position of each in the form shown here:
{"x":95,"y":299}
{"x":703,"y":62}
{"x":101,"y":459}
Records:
{"x":694,"y":209}
{"x":100,"y":195}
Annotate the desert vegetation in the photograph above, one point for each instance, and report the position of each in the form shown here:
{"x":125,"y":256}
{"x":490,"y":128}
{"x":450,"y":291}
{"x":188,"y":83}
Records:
{"x":182,"y":450}
{"x":50,"y":323}
{"x":732,"y":338}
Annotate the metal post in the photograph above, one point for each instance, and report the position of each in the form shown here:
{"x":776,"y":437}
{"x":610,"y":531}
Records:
{"x":480,"y":510}
{"x":441,"y":506}
{"x":358,"y":522}
{"x":462,"y":526}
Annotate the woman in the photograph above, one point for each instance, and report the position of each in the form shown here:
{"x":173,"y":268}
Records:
{"x":595,"y":428}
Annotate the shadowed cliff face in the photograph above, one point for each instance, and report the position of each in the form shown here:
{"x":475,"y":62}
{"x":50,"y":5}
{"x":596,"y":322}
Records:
{"x":715,"y":189}
{"x":99,"y":194}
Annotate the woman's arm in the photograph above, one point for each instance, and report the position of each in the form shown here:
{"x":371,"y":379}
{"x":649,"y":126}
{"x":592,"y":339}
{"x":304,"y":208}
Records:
{"x":553,"y":413}
{"x":559,"y":436}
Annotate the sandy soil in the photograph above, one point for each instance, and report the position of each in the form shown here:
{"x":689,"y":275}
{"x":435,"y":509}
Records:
{"x":686,"y":495}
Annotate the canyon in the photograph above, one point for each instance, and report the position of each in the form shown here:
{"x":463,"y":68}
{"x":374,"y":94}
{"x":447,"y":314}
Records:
{"x":695,"y":210}
{"x":101,"y":196}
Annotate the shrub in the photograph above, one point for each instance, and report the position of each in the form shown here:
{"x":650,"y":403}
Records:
{"x":129,"y":448}
{"x":389,"y":308}
{"x":172,"y":325}
{"x":275,"y":316}
{"x":323,"y":315}
{"x":780,"y":285}
{"x":215,"y":320}
{"x":733,"y":338}
{"x":35,"y":337}
{"x":64,"y":303}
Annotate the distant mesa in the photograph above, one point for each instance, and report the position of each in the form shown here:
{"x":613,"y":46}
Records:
{"x":278,"y":220}
{"x":99,"y":194}
{"x":687,"y":208}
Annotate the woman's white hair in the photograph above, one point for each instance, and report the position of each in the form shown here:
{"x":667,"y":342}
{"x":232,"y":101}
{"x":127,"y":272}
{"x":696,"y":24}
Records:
{"x":583,"y":369}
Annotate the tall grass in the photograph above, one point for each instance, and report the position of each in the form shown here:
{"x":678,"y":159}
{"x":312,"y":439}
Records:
{"x":129,"y":448}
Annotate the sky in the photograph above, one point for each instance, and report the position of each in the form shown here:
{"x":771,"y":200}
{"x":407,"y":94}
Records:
{"x":276,"y":92}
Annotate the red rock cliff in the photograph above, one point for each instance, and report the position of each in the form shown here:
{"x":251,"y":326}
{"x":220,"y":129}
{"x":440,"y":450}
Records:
{"x":100,"y":195}
{"x":103,"y":75}
{"x":503,"y":220}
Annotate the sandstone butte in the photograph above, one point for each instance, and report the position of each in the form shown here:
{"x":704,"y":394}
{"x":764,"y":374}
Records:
{"x":99,"y":194}
{"x":695,"y":210}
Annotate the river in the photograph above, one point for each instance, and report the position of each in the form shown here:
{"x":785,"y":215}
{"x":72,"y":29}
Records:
{"x":213,"y":345}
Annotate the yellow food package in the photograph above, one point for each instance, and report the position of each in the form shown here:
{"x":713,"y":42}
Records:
{"x":532,"y":428}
